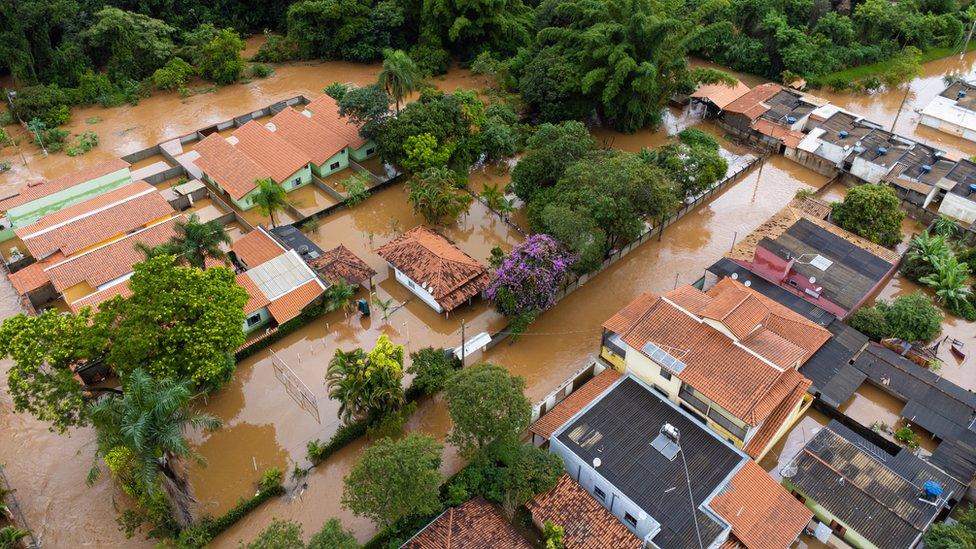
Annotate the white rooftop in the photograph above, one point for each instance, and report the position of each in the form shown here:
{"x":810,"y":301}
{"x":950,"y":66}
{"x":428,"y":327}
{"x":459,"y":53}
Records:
{"x":280,"y":275}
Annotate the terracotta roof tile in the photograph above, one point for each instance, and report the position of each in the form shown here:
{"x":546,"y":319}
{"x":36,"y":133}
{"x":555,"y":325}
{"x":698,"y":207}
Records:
{"x":314,"y":139}
{"x":93,"y":221}
{"x":31,"y":192}
{"x":97,"y":298}
{"x":475,"y":524}
{"x":269,"y":150}
{"x":255,"y":297}
{"x":546,"y":425}
{"x":110,"y":261}
{"x":587,"y":524}
{"x":751,"y":102}
{"x":431,"y":260}
{"x":724,"y":370}
{"x":233,"y":170}
{"x":340,"y":263}
{"x":762,"y":513}
{"x":758,"y":443}
{"x":325,"y":111}
{"x":690,"y":298}
{"x":33,"y":277}
{"x":720,"y":94}
{"x":790,"y":138}
{"x":290,"y":305}
{"x":256,"y":247}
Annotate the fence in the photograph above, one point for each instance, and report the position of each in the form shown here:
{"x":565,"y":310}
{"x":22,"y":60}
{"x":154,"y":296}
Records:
{"x":295,"y":387}
{"x":10,"y":500}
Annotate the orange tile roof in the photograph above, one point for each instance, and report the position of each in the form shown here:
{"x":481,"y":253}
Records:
{"x":720,"y":94}
{"x":546,"y":425}
{"x":763,"y":515}
{"x":110,"y":261}
{"x":31,"y":192}
{"x":758,"y":443}
{"x":312,"y":138}
{"x":475,"y":524}
{"x":88,"y":223}
{"x":290,"y":304}
{"x":256,"y":247}
{"x":271,"y":151}
{"x":790,"y":138}
{"x":586,"y":523}
{"x":33,"y":277}
{"x":255,"y":297}
{"x":340,"y":263}
{"x":728,"y":372}
{"x":751,"y":103}
{"x":325,"y":111}
{"x":233,"y":170}
{"x":431,"y":260}
{"x":97,"y":298}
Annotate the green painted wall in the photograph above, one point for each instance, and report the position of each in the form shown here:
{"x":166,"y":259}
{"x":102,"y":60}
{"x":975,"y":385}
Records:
{"x":853,"y":538}
{"x":342,"y":157}
{"x":361,"y":153}
{"x":246,"y":202}
{"x":304,"y":176}
{"x":265,"y":319}
{"x":30,"y":212}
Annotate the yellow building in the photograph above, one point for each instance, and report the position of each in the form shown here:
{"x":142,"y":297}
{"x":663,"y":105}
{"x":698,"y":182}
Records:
{"x":729,"y":356}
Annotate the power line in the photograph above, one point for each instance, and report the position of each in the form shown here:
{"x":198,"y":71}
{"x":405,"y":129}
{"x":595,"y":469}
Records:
{"x":691,"y":495}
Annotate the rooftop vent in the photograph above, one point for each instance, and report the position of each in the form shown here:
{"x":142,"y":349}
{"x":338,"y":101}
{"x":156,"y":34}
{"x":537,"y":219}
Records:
{"x":972,"y":188}
{"x":791,"y":120}
{"x":882,"y":151}
{"x":926,"y":168}
{"x":666,"y":441}
{"x":961,"y":94}
{"x":843,"y":134}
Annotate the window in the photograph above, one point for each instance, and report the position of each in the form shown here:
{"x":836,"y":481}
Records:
{"x":792,"y":282}
{"x":727,"y":424}
{"x":599,"y":493}
{"x":838,"y":528}
{"x":799,"y":497}
{"x":661,"y":391}
{"x":630,"y":520}
{"x":371,"y":150}
{"x":665,"y":374}
{"x":334,"y":166}
{"x":253,"y":319}
{"x":296,"y":182}
{"x":410,"y":283}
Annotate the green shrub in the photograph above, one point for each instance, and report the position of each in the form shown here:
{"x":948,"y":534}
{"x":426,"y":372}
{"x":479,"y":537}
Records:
{"x":871,"y":322}
{"x":431,"y":60}
{"x":259,"y":70}
{"x":83,"y":143}
{"x":336,"y":90}
{"x":907,"y":436}
{"x":276,"y":49}
{"x":173,"y":75}
{"x":204,"y":531}
{"x":344,"y":435}
{"x":58,"y":116}
{"x":431,"y":368}
{"x":6,"y":118}
{"x":271,"y":479}
{"x":911,"y":317}
{"x":93,"y":85}
{"x":391,"y":424}
{"x":695,"y":136}
{"x":41,"y":102}
{"x":4,"y":166}
{"x":356,"y":188}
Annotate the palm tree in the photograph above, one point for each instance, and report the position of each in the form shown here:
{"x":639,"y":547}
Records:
{"x":923,"y":251}
{"x":347,"y":383}
{"x":399,"y":76}
{"x":949,"y":282}
{"x":495,"y":199}
{"x":945,"y":226}
{"x":195,"y":241}
{"x":385,"y":305}
{"x":10,"y":536}
{"x":150,"y":421}
{"x":340,"y":296}
{"x":270,"y":198}
{"x":434,"y":193}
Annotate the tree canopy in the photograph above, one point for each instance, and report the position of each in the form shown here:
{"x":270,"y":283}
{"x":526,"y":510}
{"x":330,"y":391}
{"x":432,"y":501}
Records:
{"x":487,"y":406}
{"x":871,"y":211}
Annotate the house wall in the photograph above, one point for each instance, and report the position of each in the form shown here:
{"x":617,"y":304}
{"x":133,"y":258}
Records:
{"x":298,"y":179}
{"x":773,"y":269}
{"x":958,"y":207}
{"x":364,"y":152}
{"x":417,"y":290}
{"x":868,"y":171}
{"x":814,"y":161}
{"x":825,"y":516}
{"x":795,"y":414}
{"x":30,"y":212}
{"x":323,"y":170}
{"x":614,"y":500}
{"x":265,"y":319}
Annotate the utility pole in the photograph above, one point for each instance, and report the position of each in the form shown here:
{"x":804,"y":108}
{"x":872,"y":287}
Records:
{"x":965,"y":47}
{"x":462,"y":343}
{"x":908,"y":89}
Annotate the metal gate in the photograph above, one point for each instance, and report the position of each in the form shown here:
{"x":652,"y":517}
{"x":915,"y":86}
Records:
{"x":295,"y":387}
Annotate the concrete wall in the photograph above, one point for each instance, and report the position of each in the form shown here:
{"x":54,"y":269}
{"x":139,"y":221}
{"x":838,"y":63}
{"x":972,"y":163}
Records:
{"x":868,"y":171}
{"x":414,"y":287}
{"x":958,"y":207}
{"x":325,"y":169}
{"x":30,"y":212}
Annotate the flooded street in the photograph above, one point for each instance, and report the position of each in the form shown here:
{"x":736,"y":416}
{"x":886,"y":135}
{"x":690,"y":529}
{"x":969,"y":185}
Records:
{"x":264,"y":427}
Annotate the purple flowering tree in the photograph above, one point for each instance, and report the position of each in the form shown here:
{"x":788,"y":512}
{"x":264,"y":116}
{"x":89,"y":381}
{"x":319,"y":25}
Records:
{"x":526,"y":282}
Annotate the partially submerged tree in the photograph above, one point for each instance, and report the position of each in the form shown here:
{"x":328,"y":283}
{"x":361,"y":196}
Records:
{"x":399,"y":75}
{"x":435,"y":194}
{"x":487,"y":407}
{"x":911,"y":317}
{"x":548,"y":152}
{"x":280,"y":534}
{"x":871,"y":211}
{"x":270,"y":199}
{"x":219,"y":59}
{"x":394,"y":480}
{"x":367,"y":384}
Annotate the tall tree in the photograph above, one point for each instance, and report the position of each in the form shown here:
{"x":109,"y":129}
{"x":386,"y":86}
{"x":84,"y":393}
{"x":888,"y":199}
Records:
{"x":548,"y":152}
{"x":130,"y":45}
{"x":399,"y":76}
{"x":487,"y":406}
{"x":195,"y":242}
{"x":219,"y":60}
{"x":394,"y":480}
{"x":367,"y":384}
{"x":270,"y":198}
{"x":368,"y":107}
{"x":150,"y":421}
{"x":434,"y":193}
{"x":871,"y":211}
{"x":180,"y":322}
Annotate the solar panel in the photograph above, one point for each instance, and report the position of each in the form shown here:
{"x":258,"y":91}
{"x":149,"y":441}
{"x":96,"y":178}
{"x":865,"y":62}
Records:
{"x":664,"y":358}
{"x":667,"y":447}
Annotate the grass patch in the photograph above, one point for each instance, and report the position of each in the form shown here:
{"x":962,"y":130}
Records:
{"x":862,"y":72}
{"x":93,"y":120}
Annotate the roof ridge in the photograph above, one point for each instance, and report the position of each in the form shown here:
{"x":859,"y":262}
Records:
{"x":107,"y":244}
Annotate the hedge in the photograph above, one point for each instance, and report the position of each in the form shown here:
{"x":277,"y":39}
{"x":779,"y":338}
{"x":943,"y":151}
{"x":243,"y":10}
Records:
{"x":208,"y":528}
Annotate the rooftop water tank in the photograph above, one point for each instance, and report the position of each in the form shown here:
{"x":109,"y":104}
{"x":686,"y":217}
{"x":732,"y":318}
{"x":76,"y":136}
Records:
{"x":843,"y":134}
{"x":961,"y":94}
{"x":926,"y":168}
{"x":932,"y":489}
{"x":791,"y":120}
{"x":882,"y":151}
{"x":972,"y":188}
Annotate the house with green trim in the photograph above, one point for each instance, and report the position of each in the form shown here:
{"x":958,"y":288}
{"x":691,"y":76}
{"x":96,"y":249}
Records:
{"x":253,"y":152}
{"x":325,"y":111}
{"x":41,"y":197}
{"x":326,"y":149}
{"x":867,"y":496}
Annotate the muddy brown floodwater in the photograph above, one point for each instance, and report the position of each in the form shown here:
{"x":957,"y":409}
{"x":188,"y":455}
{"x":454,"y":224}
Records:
{"x":264,"y":427}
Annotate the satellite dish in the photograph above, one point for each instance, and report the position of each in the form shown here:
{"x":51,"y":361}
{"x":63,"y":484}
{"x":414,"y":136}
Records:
{"x":748,"y":283}
{"x":735,"y":276}
{"x":813,"y":280}
{"x":596,"y":462}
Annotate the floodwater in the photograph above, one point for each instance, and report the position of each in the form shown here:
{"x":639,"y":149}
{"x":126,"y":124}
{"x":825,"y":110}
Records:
{"x":264,"y":426}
